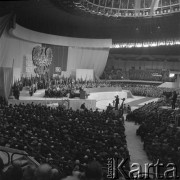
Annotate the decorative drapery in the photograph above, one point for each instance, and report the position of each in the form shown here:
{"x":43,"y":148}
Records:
{"x":11,"y":49}
{"x":6,"y":74}
{"x":6,"y":79}
{"x":87,"y":58}
{"x":14,"y":48}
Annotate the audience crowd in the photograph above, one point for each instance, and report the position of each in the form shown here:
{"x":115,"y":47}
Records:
{"x":134,"y":74}
{"x":46,"y":172}
{"x":147,"y":90}
{"x":61,"y":137}
{"x":64,"y":140}
{"x":159,"y":132}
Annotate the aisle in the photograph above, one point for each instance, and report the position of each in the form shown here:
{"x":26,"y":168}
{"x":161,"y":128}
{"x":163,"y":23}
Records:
{"x":135,"y":146}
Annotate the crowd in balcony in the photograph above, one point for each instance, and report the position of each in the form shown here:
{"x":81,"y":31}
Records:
{"x":60,"y":137}
{"x":135,"y":74}
{"x":159,"y":132}
{"x":147,"y":90}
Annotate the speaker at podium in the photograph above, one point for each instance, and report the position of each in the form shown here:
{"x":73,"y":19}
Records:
{"x":82,"y":94}
{"x":178,"y":121}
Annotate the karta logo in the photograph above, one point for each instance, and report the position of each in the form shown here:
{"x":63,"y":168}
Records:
{"x":117,"y":168}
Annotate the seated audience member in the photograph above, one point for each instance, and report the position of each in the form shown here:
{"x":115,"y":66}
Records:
{"x":83,"y":107}
{"x":94,"y":171}
{"x":14,"y":172}
{"x":55,"y":174}
{"x":109,"y":107}
{"x":29,"y":173}
{"x":43,"y":172}
{"x":60,"y":136}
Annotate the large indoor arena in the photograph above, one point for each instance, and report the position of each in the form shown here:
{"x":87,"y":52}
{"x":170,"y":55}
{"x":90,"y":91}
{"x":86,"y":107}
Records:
{"x":89,"y":89}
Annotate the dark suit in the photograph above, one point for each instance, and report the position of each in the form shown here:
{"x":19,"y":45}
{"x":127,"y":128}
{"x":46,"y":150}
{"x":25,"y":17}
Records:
{"x":174,"y":98}
{"x":117,"y":103}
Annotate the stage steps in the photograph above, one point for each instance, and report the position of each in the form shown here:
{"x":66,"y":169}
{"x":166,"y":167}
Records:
{"x":168,"y":85}
{"x":39,"y":93}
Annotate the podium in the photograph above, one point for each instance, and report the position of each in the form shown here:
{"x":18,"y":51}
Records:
{"x":178,"y":120}
{"x":82,"y":94}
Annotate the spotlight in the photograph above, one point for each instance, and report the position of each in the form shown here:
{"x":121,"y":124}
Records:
{"x":171,"y":75}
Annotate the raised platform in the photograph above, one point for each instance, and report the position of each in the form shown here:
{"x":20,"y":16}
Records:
{"x":54,"y":102}
{"x":171,"y":85}
{"x":75,"y":103}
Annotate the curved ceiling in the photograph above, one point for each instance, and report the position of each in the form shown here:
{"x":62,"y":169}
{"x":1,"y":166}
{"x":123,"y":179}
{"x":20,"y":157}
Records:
{"x":50,"y":17}
{"x":125,"y":8}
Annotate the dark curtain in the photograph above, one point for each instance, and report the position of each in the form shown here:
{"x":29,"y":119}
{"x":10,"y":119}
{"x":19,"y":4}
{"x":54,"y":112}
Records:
{"x":6,"y":73}
{"x":60,"y":55}
{"x":6,"y":79}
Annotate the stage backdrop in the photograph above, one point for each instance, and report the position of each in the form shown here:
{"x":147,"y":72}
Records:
{"x":6,"y":78}
{"x":82,"y":53}
{"x":60,"y":54}
{"x":87,"y":58}
{"x":84,"y":74}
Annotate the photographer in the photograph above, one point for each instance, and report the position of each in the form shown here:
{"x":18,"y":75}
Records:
{"x":116,"y":102}
{"x":174,"y":99}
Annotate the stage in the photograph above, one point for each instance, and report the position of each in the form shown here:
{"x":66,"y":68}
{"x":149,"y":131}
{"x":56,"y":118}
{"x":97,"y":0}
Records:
{"x":74,"y":103}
